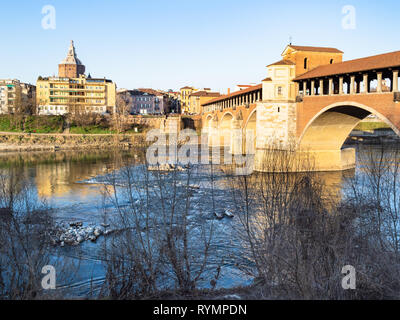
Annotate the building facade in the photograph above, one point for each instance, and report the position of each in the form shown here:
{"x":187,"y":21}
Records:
{"x":59,"y":96}
{"x":16,"y":96}
{"x":174,"y":102}
{"x":73,"y":92}
{"x":185,"y":94}
{"x":145,"y":101}
{"x":197,"y":99}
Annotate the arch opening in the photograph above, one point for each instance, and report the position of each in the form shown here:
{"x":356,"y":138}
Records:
{"x":329,"y":129}
{"x":225,"y":128}
{"x":250,"y":134}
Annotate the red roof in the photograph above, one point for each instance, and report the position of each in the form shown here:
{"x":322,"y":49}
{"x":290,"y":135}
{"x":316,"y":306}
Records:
{"x":151,"y":91}
{"x":205,"y":94}
{"x":377,"y":62}
{"x":282,"y":63}
{"x":315,"y":49}
{"x":234,"y":94}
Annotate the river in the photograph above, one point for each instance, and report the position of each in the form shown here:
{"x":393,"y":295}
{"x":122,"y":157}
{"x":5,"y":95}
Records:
{"x":73,"y":183}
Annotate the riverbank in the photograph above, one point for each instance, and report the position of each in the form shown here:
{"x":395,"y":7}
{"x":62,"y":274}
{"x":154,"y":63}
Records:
{"x":11,"y":142}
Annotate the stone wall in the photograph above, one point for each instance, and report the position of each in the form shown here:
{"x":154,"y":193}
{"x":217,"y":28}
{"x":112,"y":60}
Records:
{"x":46,"y":142}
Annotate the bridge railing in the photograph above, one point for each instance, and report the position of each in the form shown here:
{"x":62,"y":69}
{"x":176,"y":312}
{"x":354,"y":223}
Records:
{"x":397,"y":97}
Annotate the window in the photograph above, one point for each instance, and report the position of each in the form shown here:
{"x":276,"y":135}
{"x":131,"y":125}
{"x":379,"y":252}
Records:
{"x":279,"y":91}
{"x":305,"y":63}
{"x":331,"y":61}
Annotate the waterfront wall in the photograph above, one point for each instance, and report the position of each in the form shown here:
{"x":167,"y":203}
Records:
{"x":49,"y":142}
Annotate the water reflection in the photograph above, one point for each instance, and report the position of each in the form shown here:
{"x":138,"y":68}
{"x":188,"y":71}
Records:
{"x":73,"y":182}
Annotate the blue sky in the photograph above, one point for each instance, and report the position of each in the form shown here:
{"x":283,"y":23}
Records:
{"x":169,"y":44}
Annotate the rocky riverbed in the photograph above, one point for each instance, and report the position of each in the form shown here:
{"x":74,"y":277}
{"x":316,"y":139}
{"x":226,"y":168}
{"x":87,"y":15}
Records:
{"x":76,"y":233}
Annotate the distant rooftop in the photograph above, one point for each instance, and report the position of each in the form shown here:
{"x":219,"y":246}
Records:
{"x":234,"y":94}
{"x":314,"y":49}
{"x":206,"y":94}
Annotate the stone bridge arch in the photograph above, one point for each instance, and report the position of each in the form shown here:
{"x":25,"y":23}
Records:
{"x":250,"y":131}
{"x":225,"y":129}
{"x":330,"y":127}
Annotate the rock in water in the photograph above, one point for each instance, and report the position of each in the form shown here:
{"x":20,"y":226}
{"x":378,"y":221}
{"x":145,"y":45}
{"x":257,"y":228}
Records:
{"x":218,"y":216}
{"x":98,"y":232}
{"x":229,"y":214}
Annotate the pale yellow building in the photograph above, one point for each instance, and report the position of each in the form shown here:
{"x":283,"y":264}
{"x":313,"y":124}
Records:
{"x":73,"y":92}
{"x":198,"y":98}
{"x":58,"y":96}
{"x":185,"y":94}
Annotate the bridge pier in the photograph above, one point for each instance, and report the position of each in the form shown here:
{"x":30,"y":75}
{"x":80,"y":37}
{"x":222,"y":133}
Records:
{"x":237,"y":137}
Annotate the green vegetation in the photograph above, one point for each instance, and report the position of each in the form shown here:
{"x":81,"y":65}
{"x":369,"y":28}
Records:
{"x":93,"y":129}
{"x":44,"y":124}
{"x":31,"y":124}
{"x":90,"y":124}
{"x":368,"y":126}
{"x":11,"y":124}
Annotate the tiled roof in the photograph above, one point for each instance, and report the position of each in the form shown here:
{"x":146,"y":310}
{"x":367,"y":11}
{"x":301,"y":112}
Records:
{"x":381,"y":61}
{"x":315,"y":49}
{"x":186,"y":88}
{"x":282,"y":62}
{"x":151,"y":91}
{"x":234,"y":94}
{"x":206,"y":94}
{"x":267,"y":79}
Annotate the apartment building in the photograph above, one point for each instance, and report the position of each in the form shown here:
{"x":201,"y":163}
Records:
{"x":16,"y":96}
{"x":185,"y":93}
{"x":198,"y":98}
{"x":74,"y":92}
{"x":145,"y":101}
{"x":59,"y":96}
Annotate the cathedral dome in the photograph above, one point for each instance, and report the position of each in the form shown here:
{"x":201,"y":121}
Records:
{"x":71,"y":56}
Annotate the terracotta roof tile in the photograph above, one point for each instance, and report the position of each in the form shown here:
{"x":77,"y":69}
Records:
{"x":315,"y":49}
{"x":381,"y":61}
{"x":151,"y":91}
{"x":234,"y":94}
{"x":206,"y":94}
{"x":282,"y":62}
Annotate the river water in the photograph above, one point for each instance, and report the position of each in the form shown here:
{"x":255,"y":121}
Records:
{"x":73,"y":183}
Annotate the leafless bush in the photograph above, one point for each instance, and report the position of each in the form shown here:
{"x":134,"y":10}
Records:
{"x":158,"y":247}
{"x":24,"y":239}
{"x":88,"y":119}
{"x":299,"y":239}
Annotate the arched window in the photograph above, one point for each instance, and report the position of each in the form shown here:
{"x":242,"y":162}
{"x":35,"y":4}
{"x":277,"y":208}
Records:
{"x":305,"y":63}
{"x":331,"y":61}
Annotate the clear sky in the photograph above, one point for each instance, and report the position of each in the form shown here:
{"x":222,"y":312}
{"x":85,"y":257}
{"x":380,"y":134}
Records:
{"x":172,"y":43}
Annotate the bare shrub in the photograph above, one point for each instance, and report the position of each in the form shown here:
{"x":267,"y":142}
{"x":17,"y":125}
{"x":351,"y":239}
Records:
{"x":25,"y":238}
{"x":159,"y":247}
{"x":298,"y":239}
